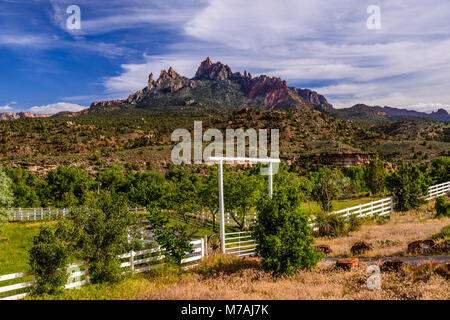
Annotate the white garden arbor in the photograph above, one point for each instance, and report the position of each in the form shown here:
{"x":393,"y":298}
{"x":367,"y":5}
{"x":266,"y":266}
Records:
{"x":220,"y":161}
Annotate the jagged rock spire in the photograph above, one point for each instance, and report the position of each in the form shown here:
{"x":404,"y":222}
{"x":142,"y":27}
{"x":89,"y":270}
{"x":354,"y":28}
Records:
{"x":213,"y":71}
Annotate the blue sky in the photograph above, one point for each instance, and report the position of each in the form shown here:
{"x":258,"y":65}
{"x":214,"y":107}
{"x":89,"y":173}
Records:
{"x":324,"y":45}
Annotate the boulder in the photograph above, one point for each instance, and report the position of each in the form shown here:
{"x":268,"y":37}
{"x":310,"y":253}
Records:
{"x":361,"y":247}
{"x":325,"y":249}
{"x":347,"y":264}
{"x":392,"y":265}
{"x":421,"y":246}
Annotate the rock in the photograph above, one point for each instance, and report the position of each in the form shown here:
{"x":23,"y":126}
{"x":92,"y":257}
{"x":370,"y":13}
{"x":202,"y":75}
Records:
{"x":421,"y":246}
{"x":360,"y":247}
{"x":347,"y":263}
{"x":324,"y":248}
{"x":392,"y":265}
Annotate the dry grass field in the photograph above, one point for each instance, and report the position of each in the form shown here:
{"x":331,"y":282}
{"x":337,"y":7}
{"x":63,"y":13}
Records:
{"x":234,"y":278}
{"x":391,"y":238}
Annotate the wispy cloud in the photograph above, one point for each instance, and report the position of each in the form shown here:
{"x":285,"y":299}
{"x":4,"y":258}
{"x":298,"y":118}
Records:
{"x":7,"y":107}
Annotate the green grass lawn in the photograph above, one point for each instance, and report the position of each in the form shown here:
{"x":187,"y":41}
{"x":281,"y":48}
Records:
{"x":14,"y":250}
{"x":313,"y":207}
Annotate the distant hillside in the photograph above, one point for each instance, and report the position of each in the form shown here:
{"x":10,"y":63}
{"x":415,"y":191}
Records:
{"x":21,"y":115}
{"x":441,"y":114}
{"x":364,"y":112}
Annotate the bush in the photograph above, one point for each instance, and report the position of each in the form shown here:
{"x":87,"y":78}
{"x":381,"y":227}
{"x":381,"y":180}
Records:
{"x":283,"y":234}
{"x":333,"y":225}
{"x":48,"y":261}
{"x":442,"y":207}
{"x":443,"y":234}
{"x":408,"y":186}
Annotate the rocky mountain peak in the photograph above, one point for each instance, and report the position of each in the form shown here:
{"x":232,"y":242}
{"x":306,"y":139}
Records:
{"x":213,"y":71}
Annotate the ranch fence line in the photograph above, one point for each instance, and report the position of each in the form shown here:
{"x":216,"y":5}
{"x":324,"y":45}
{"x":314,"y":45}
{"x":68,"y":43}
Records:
{"x":438,"y":190}
{"x":137,"y":262}
{"x":243,"y":243}
{"x":37,"y":214}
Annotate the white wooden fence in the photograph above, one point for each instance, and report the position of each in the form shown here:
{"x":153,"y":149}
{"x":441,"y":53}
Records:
{"x":37,"y":214}
{"x":438,"y":190}
{"x":137,"y":262}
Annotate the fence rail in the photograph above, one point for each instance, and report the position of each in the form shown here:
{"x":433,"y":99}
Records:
{"x":137,"y":261}
{"x":38,"y":214}
{"x":438,"y":190}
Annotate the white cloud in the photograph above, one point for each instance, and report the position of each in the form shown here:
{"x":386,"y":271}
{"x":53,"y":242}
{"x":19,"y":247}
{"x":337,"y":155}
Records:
{"x":56,"y":107}
{"x":7,"y":107}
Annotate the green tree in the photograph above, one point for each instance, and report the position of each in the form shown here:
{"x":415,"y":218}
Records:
{"x":375,"y":176}
{"x":357,"y":176}
{"x":48,"y":261}
{"x":209,"y":195}
{"x":113,"y":178}
{"x":282,"y":232}
{"x":6,"y":196}
{"x":67,"y":187}
{"x":408,"y":186}
{"x":183,"y":197}
{"x":174,"y":237}
{"x":99,"y":233}
{"x":440,"y":170}
{"x":149,"y":189}
{"x":328,"y":185}
{"x":241,"y":194}
{"x":26,"y":188}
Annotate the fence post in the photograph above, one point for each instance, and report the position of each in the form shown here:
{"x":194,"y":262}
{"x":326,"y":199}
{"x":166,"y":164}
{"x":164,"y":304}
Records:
{"x":132,"y":260}
{"x":34,"y":213}
{"x":392,"y":205}
{"x":20,"y":214}
{"x":86,"y":274}
{"x":205,"y":245}
{"x":202,"y":253}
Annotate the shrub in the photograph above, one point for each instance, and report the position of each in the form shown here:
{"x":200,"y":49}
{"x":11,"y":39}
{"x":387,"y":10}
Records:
{"x":442,"y":207}
{"x":443,"y":234}
{"x":48,"y":261}
{"x":408,"y":185}
{"x":333,"y":225}
{"x":282,"y":232}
